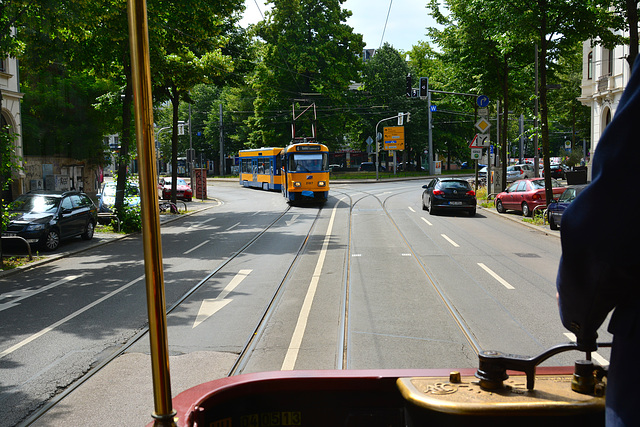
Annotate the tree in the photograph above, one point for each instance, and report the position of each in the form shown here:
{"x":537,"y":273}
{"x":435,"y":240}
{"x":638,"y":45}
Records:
{"x":308,"y":53}
{"x":189,"y":51}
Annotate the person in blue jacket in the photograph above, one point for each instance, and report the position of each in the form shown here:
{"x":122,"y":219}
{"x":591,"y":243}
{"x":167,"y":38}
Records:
{"x":598,"y":269}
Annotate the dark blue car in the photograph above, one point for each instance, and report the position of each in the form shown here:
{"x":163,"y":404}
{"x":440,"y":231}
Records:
{"x":557,"y":207}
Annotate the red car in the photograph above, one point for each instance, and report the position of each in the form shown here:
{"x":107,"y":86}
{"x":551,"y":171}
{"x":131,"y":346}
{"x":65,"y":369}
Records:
{"x":183,"y":191}
{"x":525,"y":195}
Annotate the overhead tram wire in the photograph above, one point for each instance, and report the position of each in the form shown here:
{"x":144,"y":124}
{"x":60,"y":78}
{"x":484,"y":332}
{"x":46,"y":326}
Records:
{"x":385,"y":22}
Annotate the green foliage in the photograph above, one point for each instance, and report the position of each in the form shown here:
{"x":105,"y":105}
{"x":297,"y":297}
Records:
{"x":308,"y":52}
{"x":130,"y":220}
{"x":59,"y":117}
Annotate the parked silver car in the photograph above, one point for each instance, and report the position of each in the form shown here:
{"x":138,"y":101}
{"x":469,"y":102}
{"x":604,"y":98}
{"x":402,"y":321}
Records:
{"x":523,"y":171}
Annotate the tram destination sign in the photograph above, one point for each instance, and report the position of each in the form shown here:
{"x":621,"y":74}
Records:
{"x":308,"y":148}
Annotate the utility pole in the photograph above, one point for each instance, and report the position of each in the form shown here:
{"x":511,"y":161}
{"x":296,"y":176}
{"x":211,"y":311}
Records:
{"x":221,"y":143}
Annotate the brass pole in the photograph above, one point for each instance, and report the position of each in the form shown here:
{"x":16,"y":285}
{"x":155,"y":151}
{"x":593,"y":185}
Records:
{"x":152,"y":244}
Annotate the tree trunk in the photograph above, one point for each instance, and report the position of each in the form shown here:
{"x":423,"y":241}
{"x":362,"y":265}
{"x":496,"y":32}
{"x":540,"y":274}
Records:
{"x":175,"y":102}
{"x":544,"y":109}
{"x":632,"y":20}
{"x":125,"y":138}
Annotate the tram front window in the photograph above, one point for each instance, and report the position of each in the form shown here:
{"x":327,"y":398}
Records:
{"x":308,"y":163}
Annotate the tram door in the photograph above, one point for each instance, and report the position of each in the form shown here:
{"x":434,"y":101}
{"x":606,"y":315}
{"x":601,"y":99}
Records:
{"x":254,"y":169}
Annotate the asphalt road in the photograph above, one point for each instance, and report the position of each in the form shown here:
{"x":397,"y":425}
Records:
{"x":368,"y":280}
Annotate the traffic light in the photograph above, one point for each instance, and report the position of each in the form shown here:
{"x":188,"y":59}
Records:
{"x":424,"y":86}
{"x":409,"y":85}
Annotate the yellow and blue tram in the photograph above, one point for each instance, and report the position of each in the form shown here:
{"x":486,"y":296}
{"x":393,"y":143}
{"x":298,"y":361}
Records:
{"x":261,"y":168}
{"x":300,"y":171}
{"x":306,"y":170}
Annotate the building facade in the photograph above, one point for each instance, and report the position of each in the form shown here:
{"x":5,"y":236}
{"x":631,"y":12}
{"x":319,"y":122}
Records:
{"x":11,"y":117}
{"x":605,"y":73}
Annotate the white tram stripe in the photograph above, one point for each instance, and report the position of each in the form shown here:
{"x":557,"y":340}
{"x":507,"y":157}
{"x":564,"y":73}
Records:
{"x":296,"y":340}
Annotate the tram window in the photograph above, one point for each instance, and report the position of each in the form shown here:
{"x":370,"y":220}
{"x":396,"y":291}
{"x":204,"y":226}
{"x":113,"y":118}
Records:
{"x":246,"y":165}
{"x":307,"y":162}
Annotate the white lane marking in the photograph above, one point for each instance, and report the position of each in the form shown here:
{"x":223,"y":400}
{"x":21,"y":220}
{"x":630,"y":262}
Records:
{"x":209,"y":307}
{"x":425,"y":220}
{"x":455,"y":245}
{"x":495,"y":276}
{"x":66,"y":319}
{"x":601,"y":360}
{"x":411,"y":209}
{"x":233,"y":226}
{"x":196,"y":247}
{"x":26,"y":293}
{"x":296,"y":340}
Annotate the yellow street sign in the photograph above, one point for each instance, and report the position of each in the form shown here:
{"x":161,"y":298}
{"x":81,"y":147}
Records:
{"x":393,"y":138}
{"x":483,"y":125}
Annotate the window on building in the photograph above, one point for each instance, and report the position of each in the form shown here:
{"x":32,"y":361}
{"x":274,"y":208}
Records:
{"x":3,"y":66}
{"x":610,"y":71}
{"x":590,"y":66}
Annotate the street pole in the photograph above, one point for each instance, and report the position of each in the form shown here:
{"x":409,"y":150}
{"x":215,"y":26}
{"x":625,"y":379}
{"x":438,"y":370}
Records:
{"x":536,"y":159}
{"x":221,"y":144}
{"x":431,"y":172}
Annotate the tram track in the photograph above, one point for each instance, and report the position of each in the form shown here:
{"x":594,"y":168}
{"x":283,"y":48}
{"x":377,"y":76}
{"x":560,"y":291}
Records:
{"x":450,"y":307}
{"x":246,"y":349}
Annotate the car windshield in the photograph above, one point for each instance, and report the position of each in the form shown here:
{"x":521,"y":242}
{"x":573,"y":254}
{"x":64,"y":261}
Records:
{"x":307,"y":162}
{"x":539,"y":183}
{"x":131,"y":191}
{"x":454,"y":185}
{"x":35,"y":204}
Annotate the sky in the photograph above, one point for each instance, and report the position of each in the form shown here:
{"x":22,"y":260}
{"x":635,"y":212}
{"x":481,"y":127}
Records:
{"x":406,"y":26}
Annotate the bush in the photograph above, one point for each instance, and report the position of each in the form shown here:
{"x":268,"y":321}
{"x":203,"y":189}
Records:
{"x":130,"y":220}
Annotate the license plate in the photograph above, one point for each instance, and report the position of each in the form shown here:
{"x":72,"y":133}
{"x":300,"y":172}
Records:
{"x":7,"y":234}
{"x":455,"y":203}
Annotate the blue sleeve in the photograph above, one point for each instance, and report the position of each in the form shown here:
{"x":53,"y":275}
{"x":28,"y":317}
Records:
{"x":600,"y":230}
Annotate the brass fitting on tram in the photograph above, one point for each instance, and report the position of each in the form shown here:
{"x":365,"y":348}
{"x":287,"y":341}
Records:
{"x":493,"y":366}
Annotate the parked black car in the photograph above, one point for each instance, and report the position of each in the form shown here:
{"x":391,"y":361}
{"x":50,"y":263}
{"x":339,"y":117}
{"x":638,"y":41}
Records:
{"x":557,"y":207}
{"x":447,"y":194}
{"x":45,"y":218}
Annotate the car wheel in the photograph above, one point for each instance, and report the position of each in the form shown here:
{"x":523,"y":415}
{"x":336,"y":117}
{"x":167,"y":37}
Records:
{"x":499,"y":206}
{"x":472,"y":212}
{"x":88,"y":231}
{"x":525,"y":209}
{"x":424,"y":207}
{"x":552,"y":223}
{"x":51,"y":240}
{"x":432,"y":209}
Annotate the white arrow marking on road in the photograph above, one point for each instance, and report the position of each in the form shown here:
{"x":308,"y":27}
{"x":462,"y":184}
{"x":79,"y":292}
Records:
{"x":209,"y":307}
{"x":293,"y":219}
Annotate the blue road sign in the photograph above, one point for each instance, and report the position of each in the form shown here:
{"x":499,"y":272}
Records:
{"x":434,"y":108}
{"x":482,"y":101}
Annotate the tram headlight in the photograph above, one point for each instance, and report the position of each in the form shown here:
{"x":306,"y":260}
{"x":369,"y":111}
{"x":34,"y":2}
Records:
{"x":322,"y":184}
{"x":297,"y":184}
